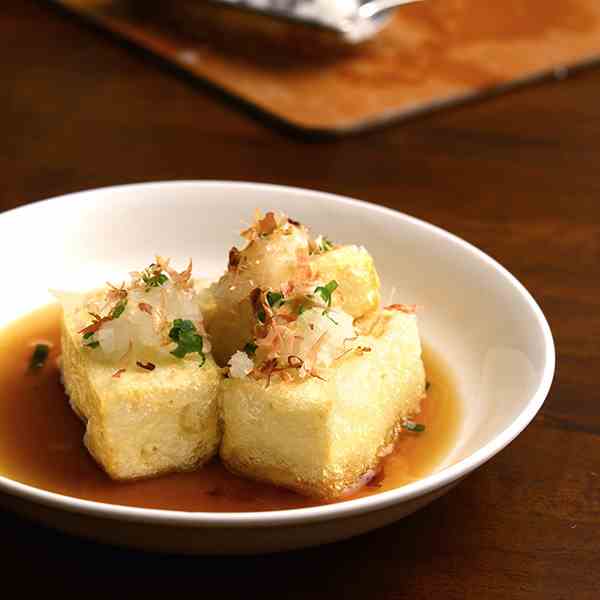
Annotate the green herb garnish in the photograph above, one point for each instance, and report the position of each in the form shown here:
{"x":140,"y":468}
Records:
{"x":154,"y":277}
{"x":117,"y":311}
{"x":39,"y":356}
{"x":414,"y":427}
{"x":325,"y":245}
{"x":184,"y":334}
{"x":328,"y":315}
{"x":98,"y":321}
{"x":301,"y":309}
{"x":275,"y":299}
{"x":325,"y":291}
{"x":250,"y":348}
{"x":92,"y":343}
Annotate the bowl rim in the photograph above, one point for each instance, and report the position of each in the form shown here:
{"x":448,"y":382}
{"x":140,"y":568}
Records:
{"x":345,"y":509}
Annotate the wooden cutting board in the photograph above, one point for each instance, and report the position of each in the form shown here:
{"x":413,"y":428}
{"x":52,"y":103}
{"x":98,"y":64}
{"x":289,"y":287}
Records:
{"x":432,"y":54}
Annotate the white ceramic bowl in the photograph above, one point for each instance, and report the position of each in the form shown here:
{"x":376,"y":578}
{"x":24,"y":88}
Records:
{"x":482,"y":320}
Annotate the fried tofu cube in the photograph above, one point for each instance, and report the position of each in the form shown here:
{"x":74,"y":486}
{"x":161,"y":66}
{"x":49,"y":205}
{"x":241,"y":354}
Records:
{"x":358,"y":282}
{"x":230,"y":319}
{"x":142,"y":423}
{"x":321,"y":437}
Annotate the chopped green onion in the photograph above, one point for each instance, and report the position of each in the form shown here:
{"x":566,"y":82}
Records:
{"x":325,"y":291}
{"x":117,"y":311}
{"x":328,"y":315}
{"x":250,"y":348}
{"x":414,"y":427}
{"x":275,"y":299}
{"x":153,"y":277}
{"x":325,"y":245}
{"x":184,"y":334}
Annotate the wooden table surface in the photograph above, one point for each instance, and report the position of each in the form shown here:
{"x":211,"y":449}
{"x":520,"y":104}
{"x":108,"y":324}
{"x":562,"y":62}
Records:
{"x":517,"y":175}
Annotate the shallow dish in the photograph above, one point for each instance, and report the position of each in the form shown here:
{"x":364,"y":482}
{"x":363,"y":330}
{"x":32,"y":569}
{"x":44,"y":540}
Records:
{"x":476,"y":315}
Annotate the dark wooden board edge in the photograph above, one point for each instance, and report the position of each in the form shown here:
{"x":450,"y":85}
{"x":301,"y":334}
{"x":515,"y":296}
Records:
{"x":298,"y":128}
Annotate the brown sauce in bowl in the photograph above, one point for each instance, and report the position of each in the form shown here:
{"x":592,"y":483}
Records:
{"x":41,"y":439}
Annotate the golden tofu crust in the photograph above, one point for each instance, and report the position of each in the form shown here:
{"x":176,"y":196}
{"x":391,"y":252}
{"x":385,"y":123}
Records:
{"x":319,"y":437}
{"x":142,"y":424}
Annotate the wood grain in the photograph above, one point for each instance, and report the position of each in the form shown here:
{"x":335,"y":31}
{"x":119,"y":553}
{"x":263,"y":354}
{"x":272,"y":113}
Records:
{"x":517,"y":175}
{"x":433,"y":53}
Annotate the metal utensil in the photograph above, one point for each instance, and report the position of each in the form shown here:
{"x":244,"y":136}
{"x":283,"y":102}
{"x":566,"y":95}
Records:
{"x":351,"y":20}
